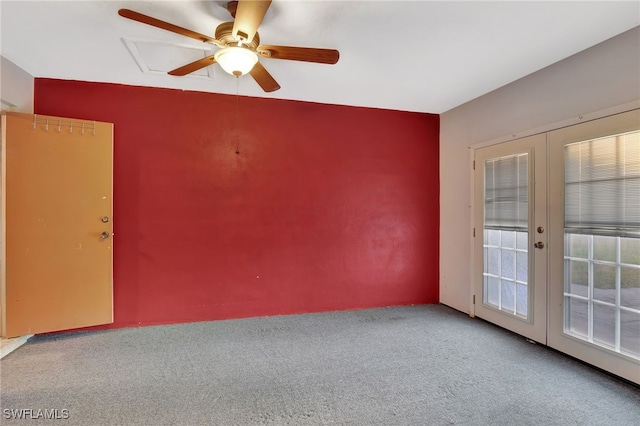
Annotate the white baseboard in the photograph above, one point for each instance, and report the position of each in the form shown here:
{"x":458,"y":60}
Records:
{"x":9,"y":345}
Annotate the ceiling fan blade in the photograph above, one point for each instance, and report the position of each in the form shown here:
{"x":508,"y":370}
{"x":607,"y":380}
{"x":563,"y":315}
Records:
{"x":193,"y":66}
{"x":263,"y":78}
{"x":139,"y":17}
{"x":305,"y":54}
{"x":249,"y":15}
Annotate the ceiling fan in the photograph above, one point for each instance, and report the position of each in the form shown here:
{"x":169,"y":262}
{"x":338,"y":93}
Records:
{"x":239,"y":44}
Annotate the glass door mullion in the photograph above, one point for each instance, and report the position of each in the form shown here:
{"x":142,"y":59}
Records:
{"x":590,"y":288}
{"x":500,"y":269}
{"x":618,"y":295}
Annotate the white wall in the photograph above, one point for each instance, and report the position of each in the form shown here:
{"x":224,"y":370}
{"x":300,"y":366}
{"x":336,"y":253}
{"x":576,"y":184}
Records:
{"x":16,"y":87}
{"x":595,"y":82}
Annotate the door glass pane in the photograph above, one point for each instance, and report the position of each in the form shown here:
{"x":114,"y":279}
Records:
{"x":492,"y":291}
{"x":604,"y":248}
{"x":602,"y":242}
{"x":577,"y":316}
{"x":522,"y":240}
{"x":508,"y":263}
{"x":508,"y":239}
{"x":492,"y":258}
{"x":522,"y":267}
{"x":604,"y":324}
{"x":630,"y":250}
{"x":630,"y":330}
{"x":508,"y":296}
{"x":521,"y":300}
{"x":505,"y":236}
{"x":577,"y":246}
{"x":577,"y":282}
{"x":604,"y":282}
{"x":630,"y":287}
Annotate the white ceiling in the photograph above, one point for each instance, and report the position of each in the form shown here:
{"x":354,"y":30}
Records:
{"x":424,"y":56}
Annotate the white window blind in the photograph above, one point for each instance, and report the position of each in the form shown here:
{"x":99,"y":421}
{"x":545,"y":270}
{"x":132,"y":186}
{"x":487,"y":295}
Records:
{"x":602,"y":186}
{"x":506,"y":193}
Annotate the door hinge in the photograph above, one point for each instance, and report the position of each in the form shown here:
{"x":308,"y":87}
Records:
{"x":474,"y":164}
{"x":474,"y":299}
{"x":474,"y":232}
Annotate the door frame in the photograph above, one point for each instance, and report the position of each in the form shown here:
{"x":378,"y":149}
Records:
{"x":613,"y":120}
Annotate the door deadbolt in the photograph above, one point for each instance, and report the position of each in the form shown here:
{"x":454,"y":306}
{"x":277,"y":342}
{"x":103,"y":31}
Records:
{"x":539,"y":245}
{"x":540,"y":229}
{"x":105,"y":219}
{"x":104,"y":235}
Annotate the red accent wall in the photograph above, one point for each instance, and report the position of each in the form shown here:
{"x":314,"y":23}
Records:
{"x":325,"y":208}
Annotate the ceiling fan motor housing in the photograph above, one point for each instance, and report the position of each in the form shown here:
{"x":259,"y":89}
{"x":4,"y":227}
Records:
{"x":224,"y":34}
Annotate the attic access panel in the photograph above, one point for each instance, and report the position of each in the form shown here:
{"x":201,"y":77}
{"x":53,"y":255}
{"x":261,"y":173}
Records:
{"x":157,"y":57}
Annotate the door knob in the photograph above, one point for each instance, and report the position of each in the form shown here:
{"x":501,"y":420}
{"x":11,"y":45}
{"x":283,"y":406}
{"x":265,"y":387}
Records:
{"x":104,"y":235}
{"x":539,"y":245}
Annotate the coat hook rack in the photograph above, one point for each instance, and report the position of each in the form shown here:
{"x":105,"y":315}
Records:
{"x":65,"y":124}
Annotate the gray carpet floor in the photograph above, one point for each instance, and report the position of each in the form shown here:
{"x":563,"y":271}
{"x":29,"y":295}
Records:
{"x":416,"y":365}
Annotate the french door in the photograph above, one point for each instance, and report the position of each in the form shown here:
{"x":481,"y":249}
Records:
{"x":510,"y":236}
{"x":557,"y":240}
{"x":594,"y":243}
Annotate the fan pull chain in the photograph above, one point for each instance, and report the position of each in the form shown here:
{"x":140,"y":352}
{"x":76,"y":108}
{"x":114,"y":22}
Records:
{"x":237,"y":116}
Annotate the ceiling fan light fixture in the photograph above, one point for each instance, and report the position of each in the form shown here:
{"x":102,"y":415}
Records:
{"x":236,"y":60}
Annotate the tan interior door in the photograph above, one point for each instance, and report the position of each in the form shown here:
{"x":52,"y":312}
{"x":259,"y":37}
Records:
{"x":57,"y":223}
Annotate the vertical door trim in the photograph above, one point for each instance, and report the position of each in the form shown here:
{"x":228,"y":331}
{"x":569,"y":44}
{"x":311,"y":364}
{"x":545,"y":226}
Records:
{"x":3,"y":226}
